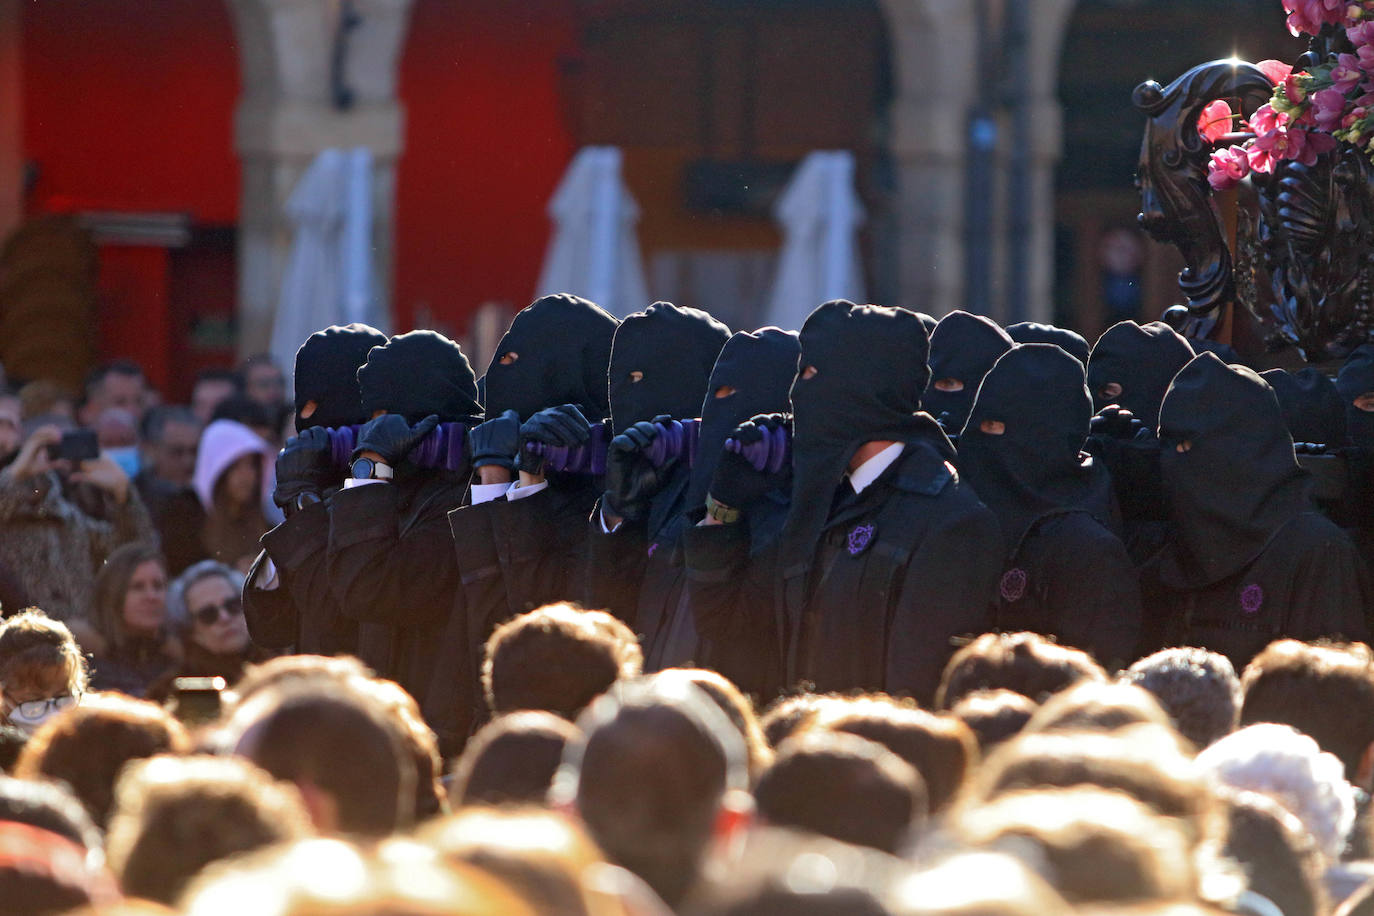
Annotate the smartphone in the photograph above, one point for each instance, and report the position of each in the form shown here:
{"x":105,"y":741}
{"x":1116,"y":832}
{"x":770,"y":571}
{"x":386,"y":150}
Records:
{"x":76,"y":445}
{"x":197,"y":699}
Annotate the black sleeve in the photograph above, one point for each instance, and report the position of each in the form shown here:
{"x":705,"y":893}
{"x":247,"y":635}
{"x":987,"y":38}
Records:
{"x":732,"y":596}
{"x":947,"y":593}
{"x":299,"y":548}
{"x":380,"y":575}
{"x":270,"y":613}
{"x":541,"y":543}
{"x":1095,"y":592}
{"x":615,"y":564}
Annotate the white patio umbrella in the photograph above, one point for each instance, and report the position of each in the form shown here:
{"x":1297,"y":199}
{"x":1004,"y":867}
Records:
{"x":328,"y":276}
{"x":594,"y":252}
{"x":820,"y":214}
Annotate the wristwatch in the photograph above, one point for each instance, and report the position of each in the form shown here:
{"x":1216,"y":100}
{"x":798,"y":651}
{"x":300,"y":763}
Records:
{"x":367,"y":469}
{"x":723,"y":514}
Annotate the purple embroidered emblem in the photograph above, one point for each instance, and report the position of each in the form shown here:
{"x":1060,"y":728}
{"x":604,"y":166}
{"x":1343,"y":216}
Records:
{"x":653,"y":547}
{"x":1251,"y":599}
{"x":1013,"y":585}
{"x":860,"y":538}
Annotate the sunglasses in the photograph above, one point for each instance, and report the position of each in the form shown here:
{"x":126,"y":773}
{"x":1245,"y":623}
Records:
{"x":207,"y":615}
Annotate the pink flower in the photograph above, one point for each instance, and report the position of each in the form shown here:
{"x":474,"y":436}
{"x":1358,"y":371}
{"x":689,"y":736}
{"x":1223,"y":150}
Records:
{"x":1228,"y":166}
{"x":1353,"y":117}
{"x":1308,"y":16}
{"x":1268,"y":150}
{"x":1327,"y":107}
{"x":1215,"y":121}
{"x":1266,"y":119}
{"x":1347,"y":73}
{"x":1361,"y":34}
{"x":1276,"y":70}
{"x":1293,"y":90}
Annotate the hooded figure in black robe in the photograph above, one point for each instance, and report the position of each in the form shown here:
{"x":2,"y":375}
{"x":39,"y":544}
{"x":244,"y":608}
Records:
{"x":519,"y":553}
{"x":297,"y":608}
{"x":391,"y":557}
{"x":661,"y":361}
{"x":1066,"y":573}
{"x":885,"y":556}
{"x":963,"y":348}
{"x":1311,"y":405}
{"x":1249,"y":558}
{"x":1132,"y":365}
{"x":1130,"y":369}
{"x":1072,"y":343}
{"x":752,"y":376}
{"x":1356,"y":378}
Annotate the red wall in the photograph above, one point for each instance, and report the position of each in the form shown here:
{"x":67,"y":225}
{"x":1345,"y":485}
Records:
{"x":486,"y":142}
{"x":129,"y":105}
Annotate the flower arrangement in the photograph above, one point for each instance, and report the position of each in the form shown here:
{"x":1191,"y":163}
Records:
{"x":1311,"y":110}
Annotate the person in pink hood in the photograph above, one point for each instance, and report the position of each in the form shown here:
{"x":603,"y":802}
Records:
{"x":229,"y":475}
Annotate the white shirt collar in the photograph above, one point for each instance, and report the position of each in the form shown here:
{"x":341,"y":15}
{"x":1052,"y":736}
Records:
{"x":872,"y":469}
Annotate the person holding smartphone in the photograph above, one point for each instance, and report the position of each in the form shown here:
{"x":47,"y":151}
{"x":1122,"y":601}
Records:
{"x":61,"y":519}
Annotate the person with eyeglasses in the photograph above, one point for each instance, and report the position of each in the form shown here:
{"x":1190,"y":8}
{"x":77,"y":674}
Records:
{"x":205,"y":611}
{"x":42,"y":670}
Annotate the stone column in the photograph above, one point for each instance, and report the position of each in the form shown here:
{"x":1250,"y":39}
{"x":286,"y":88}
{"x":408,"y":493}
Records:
{"x":935,"y":54}
{"x":287,"y":115}
{"x":934,"y":59}
{"x":11,"y":118}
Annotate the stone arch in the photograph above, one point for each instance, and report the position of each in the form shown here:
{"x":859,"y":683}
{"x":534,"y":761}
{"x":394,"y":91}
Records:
{"x":287,"y":114}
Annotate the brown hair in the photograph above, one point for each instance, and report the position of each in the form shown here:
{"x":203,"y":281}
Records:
{"x":1099,"y":846}
{"x":89,"y":744}
{"x":844,"y":787}
{"x":1025,"y":662}
{"x":340,"y":739}
{"x":941,"y":748}
{"x":558,"y":657}
{"x":512,"y":759}
{"x":112,"y":585}
{"x":994,"y":716}
{"x":736,"y":706}
{"x":32,"y":644}
{"x":1093,"y":706}
{"x":174,"y":816}
{"x":419,"y":739}
{"x":1324,"y":690}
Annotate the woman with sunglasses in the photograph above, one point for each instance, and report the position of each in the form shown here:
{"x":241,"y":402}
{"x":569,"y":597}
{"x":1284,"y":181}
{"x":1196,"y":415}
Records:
{"x":131,"y":609}
{"x":205,"y":609}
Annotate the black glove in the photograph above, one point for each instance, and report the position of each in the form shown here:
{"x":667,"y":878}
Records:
{"x":1116,"y":422}
{"x":304,"y":466}
{"x":563,"y":426}
{"x":392,"y":437}
{"x":495,"y":442}
{"x":631,"y":478}
{"x":735,"y":483}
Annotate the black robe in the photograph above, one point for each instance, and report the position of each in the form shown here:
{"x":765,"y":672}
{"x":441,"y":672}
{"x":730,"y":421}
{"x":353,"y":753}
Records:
{"x":1249,"y":559}
{"x":1065,"y":572}
{"x":866,"y":590}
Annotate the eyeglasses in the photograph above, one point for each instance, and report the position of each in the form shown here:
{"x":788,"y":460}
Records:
{"x":33,"y":709}
{"x":230,"y":607}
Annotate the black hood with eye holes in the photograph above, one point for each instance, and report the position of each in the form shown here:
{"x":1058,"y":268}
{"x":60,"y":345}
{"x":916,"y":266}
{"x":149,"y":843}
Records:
{"x":1238,"y":480}
{"x":964,"y":347}
{"x":327,"y":373}
{"x":759,"y":366}
{"x":1143,"y":359}
{"x":563,"y":349}
{"x":675,"y":349}
{"x":1356,"y":378}
{"x":1312,"y":407}
{"x":871,"y":370}
{"x":1036,"y":466}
